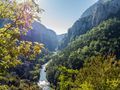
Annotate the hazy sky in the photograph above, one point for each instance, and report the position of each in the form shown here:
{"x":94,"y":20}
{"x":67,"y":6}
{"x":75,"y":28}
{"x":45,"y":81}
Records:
{"x":60,"y":15}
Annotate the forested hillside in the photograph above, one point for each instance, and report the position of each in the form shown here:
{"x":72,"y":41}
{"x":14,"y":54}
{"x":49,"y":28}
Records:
{"x":93,"y":16}
{"x":89,"y":59}
{"x":81,"y":56}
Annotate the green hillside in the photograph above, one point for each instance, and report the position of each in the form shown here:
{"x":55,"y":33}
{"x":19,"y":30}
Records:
{"x":80,"y":56}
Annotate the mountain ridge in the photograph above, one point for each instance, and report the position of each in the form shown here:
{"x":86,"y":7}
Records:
{"x":41,"y":34}
{"x":93,"y":16}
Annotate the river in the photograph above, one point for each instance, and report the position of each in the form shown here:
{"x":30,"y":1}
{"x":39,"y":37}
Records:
{"x":43,"y":82}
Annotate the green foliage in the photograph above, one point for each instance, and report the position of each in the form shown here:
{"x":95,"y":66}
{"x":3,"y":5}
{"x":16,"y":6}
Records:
{"x":102,"y":40}
{"x":101,"y":73}
{"x":16,"y":21}
{"x":4,"y":87}
{"x":26,"y":85}
{"x":11,"y":46}
{"x":67,"y":78}
{"x":98,"y":73}
{"x":34,"y":73}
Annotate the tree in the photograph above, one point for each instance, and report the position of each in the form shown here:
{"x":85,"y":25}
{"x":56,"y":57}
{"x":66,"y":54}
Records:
{"x":98,"y":73}
{"x":17,"y":19}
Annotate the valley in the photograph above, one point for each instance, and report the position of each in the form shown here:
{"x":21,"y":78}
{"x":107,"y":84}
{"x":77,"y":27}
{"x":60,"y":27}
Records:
{"x":34,"y":57}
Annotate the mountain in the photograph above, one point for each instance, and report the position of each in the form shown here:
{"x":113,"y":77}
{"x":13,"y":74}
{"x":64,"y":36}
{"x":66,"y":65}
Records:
{"x":41,"y":34}
{"x":90,"y":55}
{"x":93,"y":16}
{"x":60,"y":37}
{"x":100,"y":41}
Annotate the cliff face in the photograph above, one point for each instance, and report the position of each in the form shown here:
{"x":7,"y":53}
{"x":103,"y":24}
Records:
{"x":92,"y":17}
{"x":42,"y":35}
{"x":60,"y":37}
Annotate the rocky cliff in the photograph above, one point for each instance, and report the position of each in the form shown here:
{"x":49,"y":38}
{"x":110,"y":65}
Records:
{"x":42,"y":35}
{"x":93,"y":16}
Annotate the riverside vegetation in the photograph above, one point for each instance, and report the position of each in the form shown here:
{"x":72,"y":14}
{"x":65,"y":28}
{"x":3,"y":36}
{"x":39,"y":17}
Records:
{"x":88,"y":56}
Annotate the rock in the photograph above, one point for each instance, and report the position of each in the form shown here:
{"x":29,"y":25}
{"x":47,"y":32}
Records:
{"x":93,"y":16}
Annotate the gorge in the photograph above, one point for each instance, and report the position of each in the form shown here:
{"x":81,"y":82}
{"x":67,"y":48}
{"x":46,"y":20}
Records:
{"x":34,"y":57}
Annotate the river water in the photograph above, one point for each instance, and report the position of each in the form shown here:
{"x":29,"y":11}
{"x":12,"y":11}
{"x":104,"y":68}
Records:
{"x":43,"y":82}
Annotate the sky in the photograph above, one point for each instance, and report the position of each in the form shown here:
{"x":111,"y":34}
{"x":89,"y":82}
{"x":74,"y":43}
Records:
{"x":60,"y":15}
